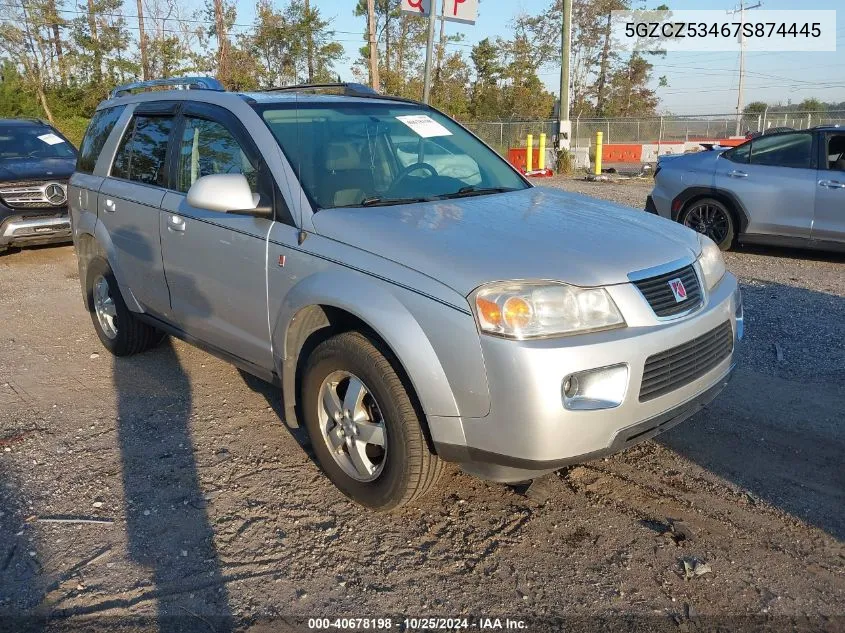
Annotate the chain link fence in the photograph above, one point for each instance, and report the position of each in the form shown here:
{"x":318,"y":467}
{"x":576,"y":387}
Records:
{"x":503,"y":135}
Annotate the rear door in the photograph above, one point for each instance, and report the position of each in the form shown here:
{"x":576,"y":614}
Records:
{"x":215,"y":263}
{"x":829,"y":222}
{"x":86,"y":180}
{"x":774,"y":178}
{"x":129,"y":202}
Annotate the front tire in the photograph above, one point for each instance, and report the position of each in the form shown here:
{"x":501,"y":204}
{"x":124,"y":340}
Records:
{"x":120,"y":331}
{"x":713,"y":219}
{"x":364,"y":427}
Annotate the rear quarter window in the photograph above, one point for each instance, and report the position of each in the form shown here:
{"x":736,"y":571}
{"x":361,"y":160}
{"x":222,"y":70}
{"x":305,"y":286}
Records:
{"x":99,"y":129}
{"x":739,"y":154}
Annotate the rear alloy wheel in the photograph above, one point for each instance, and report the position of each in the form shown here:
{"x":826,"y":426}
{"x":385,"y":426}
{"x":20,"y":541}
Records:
{"x":364,"y":425}
{"x":118,"y":328}
{"x":711,"y":218}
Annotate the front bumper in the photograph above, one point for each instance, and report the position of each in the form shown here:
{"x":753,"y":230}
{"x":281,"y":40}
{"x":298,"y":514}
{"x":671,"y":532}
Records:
{"x":528,"y":430}
{"x":32,"y":229}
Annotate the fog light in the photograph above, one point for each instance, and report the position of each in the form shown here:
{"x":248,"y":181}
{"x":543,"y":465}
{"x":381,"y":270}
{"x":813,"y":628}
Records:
{"x":739,"y":312}
{"x":602,"y":388}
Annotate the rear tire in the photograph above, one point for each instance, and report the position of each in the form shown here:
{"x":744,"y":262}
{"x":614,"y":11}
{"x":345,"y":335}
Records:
{"x":119,"y":330}
{"x":712,"y":218}
{"x":397,"y":466}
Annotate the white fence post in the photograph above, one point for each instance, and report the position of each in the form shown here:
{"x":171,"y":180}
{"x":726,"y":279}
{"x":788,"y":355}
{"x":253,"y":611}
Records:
{"x":660,"y":136}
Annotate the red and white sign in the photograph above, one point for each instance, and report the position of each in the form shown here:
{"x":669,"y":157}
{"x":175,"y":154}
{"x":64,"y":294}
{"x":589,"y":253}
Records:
{"x":464,"y":11}
{"x":678,"y":289}
{"x":417,"y":7}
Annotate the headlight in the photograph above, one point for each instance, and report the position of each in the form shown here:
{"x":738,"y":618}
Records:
{"x":533,"y":309}
{"x":711,"y":261}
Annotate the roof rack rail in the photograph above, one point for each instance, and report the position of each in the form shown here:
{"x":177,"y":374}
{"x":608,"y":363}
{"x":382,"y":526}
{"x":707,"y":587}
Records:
{"x":185,"y":83}
{"x":349,"y":89}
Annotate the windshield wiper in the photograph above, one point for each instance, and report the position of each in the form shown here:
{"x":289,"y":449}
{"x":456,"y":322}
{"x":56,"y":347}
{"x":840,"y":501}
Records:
{"x":376,"y":201}
{"x":467,"y":192}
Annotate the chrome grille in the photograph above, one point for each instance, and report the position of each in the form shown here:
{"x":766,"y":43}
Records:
{"x":679,"y":366}
{"x":30,"y":194}
{"x":658,"y":292}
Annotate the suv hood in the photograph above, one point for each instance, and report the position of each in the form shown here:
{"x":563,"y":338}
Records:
{"x":536,"y":233}
{"x":36,"y":168}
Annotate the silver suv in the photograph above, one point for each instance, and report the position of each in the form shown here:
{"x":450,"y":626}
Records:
{"x":784,"y":189}
{"x":410,"y":317}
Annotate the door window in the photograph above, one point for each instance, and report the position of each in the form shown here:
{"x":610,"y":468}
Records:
{"x":207,"y":148}
{"x":783,"y":150}
{"x":142,"y":153}
{"x":836,"y":152}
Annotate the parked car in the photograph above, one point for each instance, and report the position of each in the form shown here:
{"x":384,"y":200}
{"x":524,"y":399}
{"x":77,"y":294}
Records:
{"x":772,"y":130}
{"x":409,"y":318}
{"x":783,"y":189}
{"x":35,"y":164}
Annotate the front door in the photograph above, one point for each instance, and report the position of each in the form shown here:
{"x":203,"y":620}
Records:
{"x":774,"y":177}
{"x":829,"y":222}
{"x":129,"y":202}
{"x":215,"y":263}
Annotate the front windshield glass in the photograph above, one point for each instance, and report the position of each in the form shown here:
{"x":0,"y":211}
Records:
{"x":22,"y":141}
{"x":368,"y":154}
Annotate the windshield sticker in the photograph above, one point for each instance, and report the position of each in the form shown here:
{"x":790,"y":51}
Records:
{"x":51,"y":139}
{"x":424,"y":125}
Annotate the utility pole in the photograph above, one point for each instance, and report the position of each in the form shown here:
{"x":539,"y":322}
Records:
{"x":142,"y":41}
{"x":565,"y":127}
{"x":310,"y":42}
{"x":432,"y":22}
{"x":371,"y":28}
{"x":739,"y":97}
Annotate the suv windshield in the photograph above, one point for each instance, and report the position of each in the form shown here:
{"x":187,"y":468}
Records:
{"x":25,"y":141}
{"x":368,"y":154}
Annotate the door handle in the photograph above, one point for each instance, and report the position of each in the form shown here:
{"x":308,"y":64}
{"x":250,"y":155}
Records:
{"x":175,"y":223}
{"x":832,"y":184}
{"x":737,"y":174}
{"x":110,"y":206}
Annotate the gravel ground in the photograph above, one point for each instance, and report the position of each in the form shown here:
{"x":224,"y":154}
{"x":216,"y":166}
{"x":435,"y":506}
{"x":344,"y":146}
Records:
{"x":162,"y":493}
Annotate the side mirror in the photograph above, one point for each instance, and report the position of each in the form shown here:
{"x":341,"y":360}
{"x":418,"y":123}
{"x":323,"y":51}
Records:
{"x":227,"y":193}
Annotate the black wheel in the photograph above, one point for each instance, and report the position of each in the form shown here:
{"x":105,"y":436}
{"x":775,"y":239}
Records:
{"x":711,"y":218}
{"x":119,"y":330}
{"x":363,"y":424}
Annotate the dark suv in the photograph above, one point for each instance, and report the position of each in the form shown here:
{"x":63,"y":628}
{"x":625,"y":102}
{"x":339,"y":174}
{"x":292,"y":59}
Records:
{"x":35,"y":164}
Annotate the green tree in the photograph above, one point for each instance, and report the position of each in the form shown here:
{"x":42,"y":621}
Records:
{"x":812,"y":105}
{"x":756,"y":107}
{"x":485,"y":98}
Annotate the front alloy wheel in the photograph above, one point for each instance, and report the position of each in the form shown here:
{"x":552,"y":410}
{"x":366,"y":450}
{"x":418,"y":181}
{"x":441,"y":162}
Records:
{"x":365,"y":426}
{"x":352,"y":426}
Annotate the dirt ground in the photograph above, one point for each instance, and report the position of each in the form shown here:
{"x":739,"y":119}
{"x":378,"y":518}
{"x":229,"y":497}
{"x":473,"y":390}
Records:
{"x":162,"y":493}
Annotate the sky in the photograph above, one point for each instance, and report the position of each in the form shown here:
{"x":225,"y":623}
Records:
{"x":699,"y":83}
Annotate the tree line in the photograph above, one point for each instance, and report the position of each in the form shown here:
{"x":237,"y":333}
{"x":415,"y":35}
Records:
{"x":807,"y":105}
{"x":59,"y":59}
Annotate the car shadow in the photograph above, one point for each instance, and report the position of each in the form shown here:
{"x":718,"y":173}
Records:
{"x":22,"y":579}
{"x":776,"y":430}
{"x":168,"y":529}
{"x":273,"y":395}
{"x":790,"y":253}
